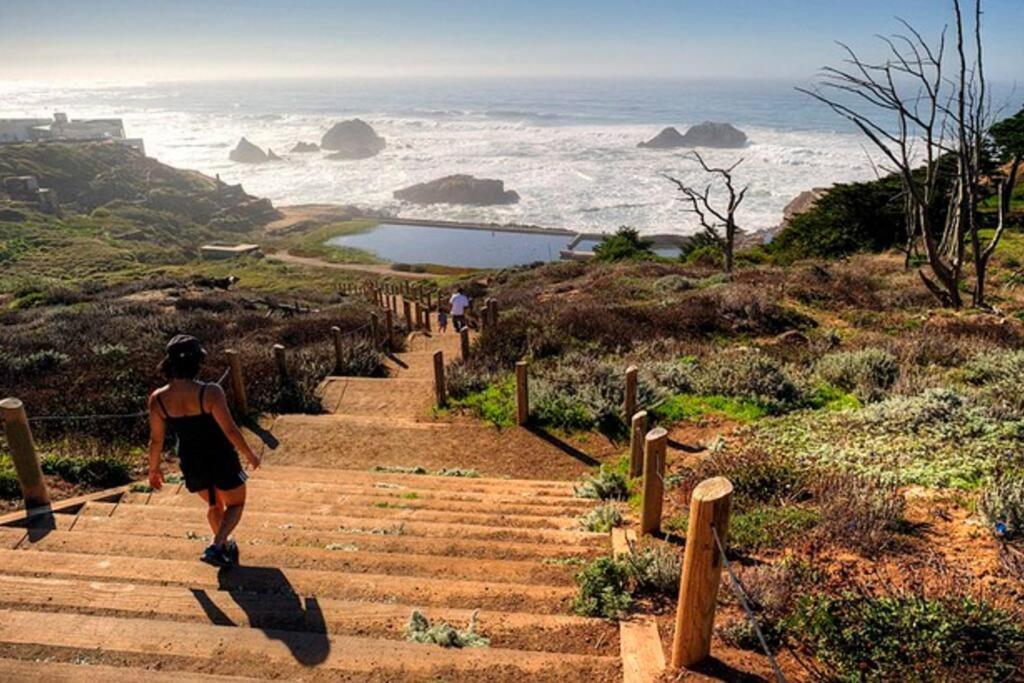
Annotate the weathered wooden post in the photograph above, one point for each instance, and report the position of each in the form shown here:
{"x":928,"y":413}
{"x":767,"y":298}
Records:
{"x":241,"y":399}
{"x":464,"y":343}
{"x":23,"y":453}
{"x":492,"y":313}
{"x":339,"y":352}
{"x":389,"y":329}
{"x":417,"y":314}
{"x":630,"y":402}
{"x":439,"y":387}
{"x":654,"y":480}
{"x":637,"y":431}
{"x":375,"y":330}
{"x":702,"y":571}
{"x":407,"y":308}
{"x":282,"y":362}
{"x":522,"y":393}
{"x":426,"y":318}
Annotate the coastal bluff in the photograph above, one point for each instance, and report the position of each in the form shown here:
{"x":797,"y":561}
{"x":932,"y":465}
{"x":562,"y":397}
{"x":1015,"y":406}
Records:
{"x":352,"y":139}
{"x":706,"y":134}
{"x":459,"y":189}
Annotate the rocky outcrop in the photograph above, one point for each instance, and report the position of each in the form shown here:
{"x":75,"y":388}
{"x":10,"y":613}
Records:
{"x":707,"y":134}
{"x":248,"y":153}
{"x":353,"y":139}
{"x":305,"y":147}
{"x":459,"y":189}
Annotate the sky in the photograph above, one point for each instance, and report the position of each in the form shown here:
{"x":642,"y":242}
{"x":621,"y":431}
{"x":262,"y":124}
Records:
{"x":150,"y":40}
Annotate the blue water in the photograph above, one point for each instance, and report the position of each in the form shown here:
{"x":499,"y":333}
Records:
{"x":462,"y":247}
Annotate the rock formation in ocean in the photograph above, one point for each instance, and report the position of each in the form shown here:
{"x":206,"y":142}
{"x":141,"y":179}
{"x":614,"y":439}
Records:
{"x":459,"y":189}
{"x":305,"y":147}
{"x":707,"y":134}
{"x":248,"y":153}
{"x":271,"y":156}
{"x":353,"y":139}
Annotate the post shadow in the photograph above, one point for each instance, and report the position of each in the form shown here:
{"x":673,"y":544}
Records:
{"x":264,"y":435}
{"x":272,"y":606}
{"x":566,"y":448}
{"x":39,"y":526}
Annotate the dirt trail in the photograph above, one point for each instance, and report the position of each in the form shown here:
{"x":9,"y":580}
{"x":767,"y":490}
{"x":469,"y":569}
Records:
{"x":338,"y":549}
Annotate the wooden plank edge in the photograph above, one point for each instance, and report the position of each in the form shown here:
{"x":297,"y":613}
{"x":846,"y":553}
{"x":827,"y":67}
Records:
{"x":68,"y":505}
{"x":643,"y":659}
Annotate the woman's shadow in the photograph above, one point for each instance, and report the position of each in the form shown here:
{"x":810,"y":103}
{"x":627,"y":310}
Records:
{"x":271,"y":605}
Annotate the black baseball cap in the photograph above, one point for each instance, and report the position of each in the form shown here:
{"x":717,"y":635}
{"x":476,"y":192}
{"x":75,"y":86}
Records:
{"x":184,"y":346}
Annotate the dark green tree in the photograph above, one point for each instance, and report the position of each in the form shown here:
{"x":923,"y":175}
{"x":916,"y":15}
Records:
{"x":1008,"y":139}
{"x":625,"y":244}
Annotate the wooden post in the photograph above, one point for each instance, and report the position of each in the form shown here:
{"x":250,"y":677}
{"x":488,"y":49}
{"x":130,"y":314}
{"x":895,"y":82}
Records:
{"x":638,"y":428}
{"x":241,"y":399}
{"x":439,"y":388}
{"x":389,"y":329}
{"x":407,"y":307}
{"x":522,"y":393}
{"x":23,"y":453}
{"x":338,"y":351}
{"x":702,"y":571}
{"x":375,"y":330}
{"x":426,"y":318}
{"x":464,"y":343}
{"x":654,"y":480}
{"x":282,"y":361}
{"x":630,"y":402}
{"x":492,"y":312}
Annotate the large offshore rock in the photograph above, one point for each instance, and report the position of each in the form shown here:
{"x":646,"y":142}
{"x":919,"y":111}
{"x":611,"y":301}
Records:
{"x":305,"y":147}
{"x":353,"y":139}
{"x":248,"y":153}
{"x":459,"y":189}
{"x":707,"y":134}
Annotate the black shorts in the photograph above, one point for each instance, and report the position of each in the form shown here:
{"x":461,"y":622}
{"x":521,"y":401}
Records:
{"x":222,"y":471}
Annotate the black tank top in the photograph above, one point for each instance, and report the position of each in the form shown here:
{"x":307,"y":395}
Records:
{"x":199,"y":437}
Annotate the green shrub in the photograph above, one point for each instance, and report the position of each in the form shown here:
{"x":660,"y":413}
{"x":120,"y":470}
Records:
{"x":602,"y":518}
{"x":757,"y":477}
{"x":560,"y":410}
{"x":9,"y":487}
{"x":673,"y":284}
{"x":625,"y":244}
{"x":496,"y":403}
{"x":605,"y":484}
{"x":655,"y":569}
{"x":862,"y":512}
{"x":868,"y":373}
{"x":99,"y":472}
{"x":688,"y":406}
{"x":910,"y":637}
{"x":444,"y":634}
{"x":766,"y":526}
{"x":602,"y":589}
{"x":749,"y":375}
{"x":1002,"y":503}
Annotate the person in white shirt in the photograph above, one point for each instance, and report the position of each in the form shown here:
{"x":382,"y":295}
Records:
{"x":459,"y":303}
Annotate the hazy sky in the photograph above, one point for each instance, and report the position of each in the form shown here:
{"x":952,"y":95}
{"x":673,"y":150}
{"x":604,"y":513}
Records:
{"x":114,"y":40}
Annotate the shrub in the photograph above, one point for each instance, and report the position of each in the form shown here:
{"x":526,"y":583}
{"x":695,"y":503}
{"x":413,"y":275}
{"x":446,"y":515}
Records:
{"x":767,"y":526}
{"x":655,"y":569}
{"x":868,"y":373}
{"x":496,"y":403}
{"x":464,"y":379}
{"x":758,"y":477}
{"x":750,"y":375}
{"x":9,"y":487}
{"x":444,"y":634}
{"x":101,"y":472}
{"x":602,"y":589}
{"x":910,"y":637}
{"x":623,"y":245}
{"x":672,"y":284}
{"x":602,"y":518}
{"x":865,"y":513}
{"x":1002,"y":503}
{"x":605,"y":484}
{"x":773,"y":591}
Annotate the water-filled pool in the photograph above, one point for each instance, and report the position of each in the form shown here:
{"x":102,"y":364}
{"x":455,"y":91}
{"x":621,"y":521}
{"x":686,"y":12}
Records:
{"x":453,"y":246}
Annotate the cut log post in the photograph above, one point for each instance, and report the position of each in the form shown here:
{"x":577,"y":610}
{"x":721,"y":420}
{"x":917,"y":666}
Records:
{"x":339,"y":352}
{"x":282,"y":361}
{"x":407,"y":308}
{"x":654,"y":480}
{"x":522,"y":393}
{"x":389,"y":329}
{"x":23,"y":454}
{"x":492,"y":313}
{"x":702,"y":571}
{"x":464,"y":343}
{"x":426,"y":318}
{"x":240,"y":398}
{"x":637,"y":432}
{"x":630,"y":401}
{"x":375,"y":330}
{"x":439,"y":387}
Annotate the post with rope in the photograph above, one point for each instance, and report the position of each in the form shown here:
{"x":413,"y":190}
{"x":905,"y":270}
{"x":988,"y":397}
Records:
{"x":239,"y":396}
{"x":630,"y":401}
{"x":522,"y":393}
{"x":654,"y":481}
{"x":23,"y":454}
{"x":702,"y":571}
{"x":637,"y":431}
{"x":464,"y":343}
{"x":439,"y":386}
{"x":282,"y":362}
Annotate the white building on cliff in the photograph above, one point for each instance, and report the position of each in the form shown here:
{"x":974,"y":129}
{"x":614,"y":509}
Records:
{"x":61,"y":128}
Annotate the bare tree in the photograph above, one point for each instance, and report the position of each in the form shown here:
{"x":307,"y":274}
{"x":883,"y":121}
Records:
{"x":718,"y":223}
{"x":930,"y":129}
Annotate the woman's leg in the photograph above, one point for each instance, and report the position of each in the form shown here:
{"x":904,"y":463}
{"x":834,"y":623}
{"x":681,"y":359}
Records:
{"x":234,"y":503}
{"x":214,"y":513}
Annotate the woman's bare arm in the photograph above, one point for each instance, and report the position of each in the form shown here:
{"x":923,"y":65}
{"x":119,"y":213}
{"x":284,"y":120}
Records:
{"x":218,"y":405}
{"x":157,"y":430}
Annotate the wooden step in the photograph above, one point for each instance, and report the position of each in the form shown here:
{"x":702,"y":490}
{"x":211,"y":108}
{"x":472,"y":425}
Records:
{"x":18,"y":671}
{"x":324,"y":475}
{"x":189,"y":646}
{"x":411,"y":499}
{"x":436,"y":591}
{"x":386,"y":398}
{"x":381,"y":511}
{"x":514,"y":630}
{"x":254,"y":517}
{"x":195,"y":526}
{"x":343,"y":559}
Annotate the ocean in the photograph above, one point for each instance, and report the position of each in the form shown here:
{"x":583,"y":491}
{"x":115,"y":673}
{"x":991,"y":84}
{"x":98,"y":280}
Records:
{"x":569,"y":148}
